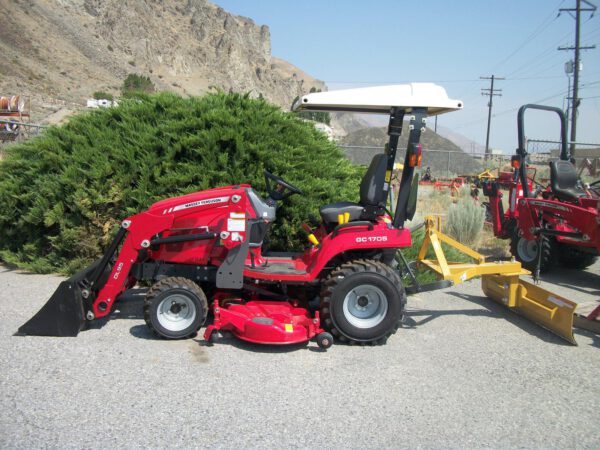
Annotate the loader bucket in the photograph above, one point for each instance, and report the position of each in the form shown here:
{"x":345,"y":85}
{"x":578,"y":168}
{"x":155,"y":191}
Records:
{"x":64,"y":313}
{"x":551,"y":311}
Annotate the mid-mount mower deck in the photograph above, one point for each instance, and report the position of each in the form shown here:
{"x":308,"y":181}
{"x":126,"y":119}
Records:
{"x":203,"y":251}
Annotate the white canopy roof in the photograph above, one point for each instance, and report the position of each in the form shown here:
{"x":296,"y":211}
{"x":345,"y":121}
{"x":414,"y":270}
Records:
{"x":380,"y":99}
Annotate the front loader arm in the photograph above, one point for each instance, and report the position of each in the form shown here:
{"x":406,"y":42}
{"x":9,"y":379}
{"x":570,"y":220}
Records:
{"x":139,"y":230}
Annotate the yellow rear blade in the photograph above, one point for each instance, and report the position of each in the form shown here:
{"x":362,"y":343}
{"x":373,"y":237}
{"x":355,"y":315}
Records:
{"x":551,"y":311}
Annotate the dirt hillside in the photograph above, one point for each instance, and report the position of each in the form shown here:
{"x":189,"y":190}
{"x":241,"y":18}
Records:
{"x":59,"y":52}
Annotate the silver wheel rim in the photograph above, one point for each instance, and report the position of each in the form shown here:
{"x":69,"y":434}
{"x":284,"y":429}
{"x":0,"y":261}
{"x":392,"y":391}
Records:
{"x":176,"y":312}
{"x":527,"y":249}
{"x":365,"y":306}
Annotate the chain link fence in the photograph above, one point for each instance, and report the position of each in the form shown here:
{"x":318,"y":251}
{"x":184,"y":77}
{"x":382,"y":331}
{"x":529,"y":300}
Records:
{"x":442,"y":163}
{"x":587,"y":155}
{"x":451,"y":163}
{"x":14,"y":130}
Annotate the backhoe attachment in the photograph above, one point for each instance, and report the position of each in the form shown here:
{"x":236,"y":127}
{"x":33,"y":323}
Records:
{"x":500,"y":282}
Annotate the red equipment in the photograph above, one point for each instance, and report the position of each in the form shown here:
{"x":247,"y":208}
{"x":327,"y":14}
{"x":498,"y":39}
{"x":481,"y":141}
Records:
{"x":560,"y":222}
{"x":210,"y":243}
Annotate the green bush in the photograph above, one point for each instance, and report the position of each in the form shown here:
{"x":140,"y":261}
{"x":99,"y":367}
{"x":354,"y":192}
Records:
{"x":99,"y":95}
{"x":465,"y":220}
{"x":62,"y":195}
{"x":136,"y":84}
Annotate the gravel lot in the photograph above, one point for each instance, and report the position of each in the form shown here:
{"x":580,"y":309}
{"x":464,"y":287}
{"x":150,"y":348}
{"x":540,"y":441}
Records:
{"x":462,"y":373}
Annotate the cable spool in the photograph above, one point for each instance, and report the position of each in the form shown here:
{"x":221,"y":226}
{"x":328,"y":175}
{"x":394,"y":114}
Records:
{"x":12,"y":104}
{"x":16,"y":103}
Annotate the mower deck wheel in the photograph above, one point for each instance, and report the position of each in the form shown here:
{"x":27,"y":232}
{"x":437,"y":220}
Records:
{"x":324,"y":340}
{"x":175,"y":308}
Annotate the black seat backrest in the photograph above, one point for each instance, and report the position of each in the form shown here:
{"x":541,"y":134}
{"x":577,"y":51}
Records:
{"x":562,"y":175}
{"x":371,"y":186}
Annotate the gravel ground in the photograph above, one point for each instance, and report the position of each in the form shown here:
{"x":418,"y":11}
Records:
{"x":463,"y":372}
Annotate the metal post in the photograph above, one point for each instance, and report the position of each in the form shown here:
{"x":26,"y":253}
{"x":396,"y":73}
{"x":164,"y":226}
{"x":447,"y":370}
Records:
{"x":416,"y":127}
{"x":575,"y":98}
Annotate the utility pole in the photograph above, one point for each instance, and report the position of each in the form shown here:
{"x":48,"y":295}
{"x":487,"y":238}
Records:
{"x":491,"y":92}
{"x":575,"y":97}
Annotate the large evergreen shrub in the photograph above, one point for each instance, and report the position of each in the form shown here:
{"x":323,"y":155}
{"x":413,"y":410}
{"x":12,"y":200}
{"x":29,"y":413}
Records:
{"x":62,"y":195}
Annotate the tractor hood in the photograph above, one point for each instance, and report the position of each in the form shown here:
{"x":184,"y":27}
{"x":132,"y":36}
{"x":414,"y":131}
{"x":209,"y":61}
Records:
{"x":381,"y":99}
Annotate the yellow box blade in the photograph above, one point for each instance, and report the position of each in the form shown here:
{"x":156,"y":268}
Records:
{"x":551,"y":311}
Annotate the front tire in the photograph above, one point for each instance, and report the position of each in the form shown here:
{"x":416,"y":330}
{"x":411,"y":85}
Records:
{"x":175,"y":308}
{"x":525,"y":251}
{"x":362,"y":302}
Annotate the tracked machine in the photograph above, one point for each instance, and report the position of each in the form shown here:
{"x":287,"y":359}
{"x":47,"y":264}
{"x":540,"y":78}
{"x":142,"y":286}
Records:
{"x":203,"y":253}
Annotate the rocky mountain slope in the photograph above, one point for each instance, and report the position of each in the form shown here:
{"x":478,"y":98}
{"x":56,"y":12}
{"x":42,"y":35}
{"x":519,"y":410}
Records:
{"x":59,"y":52}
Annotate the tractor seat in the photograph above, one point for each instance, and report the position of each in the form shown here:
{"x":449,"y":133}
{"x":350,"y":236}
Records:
{"x":564,"y":181}
{"x":329,"y":213}
{"x":372,"y":197}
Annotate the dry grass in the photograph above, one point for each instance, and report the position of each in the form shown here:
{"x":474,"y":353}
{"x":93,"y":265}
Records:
{"x":437,"y":203}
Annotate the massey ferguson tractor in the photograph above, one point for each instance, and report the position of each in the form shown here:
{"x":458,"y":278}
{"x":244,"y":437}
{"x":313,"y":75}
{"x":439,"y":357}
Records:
{"x":560,"y":222}
{"x":203,"y":252}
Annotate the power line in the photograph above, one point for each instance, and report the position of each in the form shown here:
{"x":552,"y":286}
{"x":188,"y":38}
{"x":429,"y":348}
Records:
{"x":491,"y":92}
{"x":577,"y":48}
{"x":543,"y":56}
{"x":541,"y":27}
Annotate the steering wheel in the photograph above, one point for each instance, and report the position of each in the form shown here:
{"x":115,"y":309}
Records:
{"x":277,"y":194}
{"x":595,"y":187}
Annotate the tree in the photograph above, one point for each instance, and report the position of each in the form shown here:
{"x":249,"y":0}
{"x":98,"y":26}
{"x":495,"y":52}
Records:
{"x":136,"y":84}
{"x":63,"y":194}
{"x":99,"y":95}
{"x":315,"y":116}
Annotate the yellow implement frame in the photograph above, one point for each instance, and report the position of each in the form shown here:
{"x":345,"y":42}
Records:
{"x":500,"y":282}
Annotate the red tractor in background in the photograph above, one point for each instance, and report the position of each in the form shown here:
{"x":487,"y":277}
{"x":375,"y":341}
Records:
{"x":545,"y":225}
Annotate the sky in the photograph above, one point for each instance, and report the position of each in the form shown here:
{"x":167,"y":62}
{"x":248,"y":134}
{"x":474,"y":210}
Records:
{"x":352,"y":43}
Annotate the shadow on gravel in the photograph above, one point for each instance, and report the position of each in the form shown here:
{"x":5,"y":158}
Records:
{"x":143,"y":332}
{"x":128,"y":306}
{"x":579,"y":280}
{"x":131,"y":308}
{"x":594,"y":337}
{"x":229,"y":339}
{"x":496,"y":311}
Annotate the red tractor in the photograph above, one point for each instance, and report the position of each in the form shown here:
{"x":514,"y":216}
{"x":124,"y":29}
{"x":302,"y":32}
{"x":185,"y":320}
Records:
{"x":560,"y":222}
{"x":203,"y":253}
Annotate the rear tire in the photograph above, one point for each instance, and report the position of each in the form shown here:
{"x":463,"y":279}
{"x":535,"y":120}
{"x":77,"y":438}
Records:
{"x":362,"y":302}
{"x":573,"y":258}
{"x":525,"y":251}
{"x":175,"y":308}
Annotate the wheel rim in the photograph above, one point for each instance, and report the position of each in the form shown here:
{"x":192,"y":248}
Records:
{"x":365,"y":306}
{"x":176,"y":312}
{"x":527,"y":249}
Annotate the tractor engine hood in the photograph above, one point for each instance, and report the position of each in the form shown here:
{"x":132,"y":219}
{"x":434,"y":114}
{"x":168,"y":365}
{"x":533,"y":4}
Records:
{"x":381,"y":99}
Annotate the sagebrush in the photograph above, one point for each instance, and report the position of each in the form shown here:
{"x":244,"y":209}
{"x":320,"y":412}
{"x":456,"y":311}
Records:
{"x":465,"y":220}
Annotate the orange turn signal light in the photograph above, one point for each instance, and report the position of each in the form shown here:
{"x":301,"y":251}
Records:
{"x":515,"y":161}
{"x":414,"y":155}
